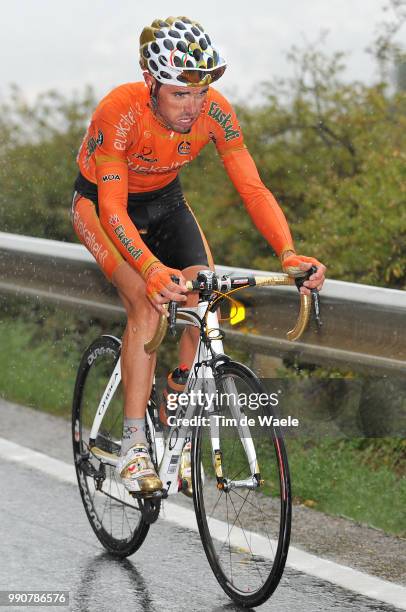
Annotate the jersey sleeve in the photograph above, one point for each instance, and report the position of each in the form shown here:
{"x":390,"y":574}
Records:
{"x":258,"y":200}
{"x":112,"y":186}
{"x":261,"y":205}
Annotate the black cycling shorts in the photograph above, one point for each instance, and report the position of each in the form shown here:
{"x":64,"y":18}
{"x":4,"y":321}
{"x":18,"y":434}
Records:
{"x":165,"y":222}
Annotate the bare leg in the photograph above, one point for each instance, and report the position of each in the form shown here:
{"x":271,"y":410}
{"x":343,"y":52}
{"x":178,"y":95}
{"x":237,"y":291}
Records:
{"x":137,"y":367}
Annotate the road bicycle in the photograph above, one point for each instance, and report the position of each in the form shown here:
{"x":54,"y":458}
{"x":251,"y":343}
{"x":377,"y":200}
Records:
{"x":240,"y":474}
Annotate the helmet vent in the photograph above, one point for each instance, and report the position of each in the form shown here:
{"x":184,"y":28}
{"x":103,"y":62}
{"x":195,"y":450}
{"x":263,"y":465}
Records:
{"x":190,"y":37}
{"x":168,"y":44}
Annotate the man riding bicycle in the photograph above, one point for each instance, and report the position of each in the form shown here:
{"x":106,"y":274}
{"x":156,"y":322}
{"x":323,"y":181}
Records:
{"x":129,"y":210}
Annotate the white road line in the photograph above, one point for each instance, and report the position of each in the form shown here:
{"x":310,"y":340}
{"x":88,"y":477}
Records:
{"x":341,"y":575}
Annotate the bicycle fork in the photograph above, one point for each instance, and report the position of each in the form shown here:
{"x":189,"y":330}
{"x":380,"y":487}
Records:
{"x":223,"y":483}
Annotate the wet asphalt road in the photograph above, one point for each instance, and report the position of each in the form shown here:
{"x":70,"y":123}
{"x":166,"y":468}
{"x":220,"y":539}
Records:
{"x":47,"y":543}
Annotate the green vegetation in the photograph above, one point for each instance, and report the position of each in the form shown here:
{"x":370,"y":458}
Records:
{"x":41,"y":356}
{"x":362,"y":479}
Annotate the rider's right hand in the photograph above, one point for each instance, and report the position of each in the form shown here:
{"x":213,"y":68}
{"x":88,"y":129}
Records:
{"x":160,"y":287}
{"x":295,"y":265}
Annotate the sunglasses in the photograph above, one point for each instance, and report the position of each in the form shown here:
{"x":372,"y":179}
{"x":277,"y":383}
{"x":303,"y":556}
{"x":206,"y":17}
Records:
{"x":197,"y":76}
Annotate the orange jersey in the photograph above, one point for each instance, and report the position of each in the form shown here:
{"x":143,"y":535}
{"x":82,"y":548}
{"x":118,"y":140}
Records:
{"x":127,"y":150}
{"x":123,"y":128}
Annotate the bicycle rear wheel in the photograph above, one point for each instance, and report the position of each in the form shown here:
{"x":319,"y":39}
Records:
{"x":113,"y":513}
{"x":245,"y":529}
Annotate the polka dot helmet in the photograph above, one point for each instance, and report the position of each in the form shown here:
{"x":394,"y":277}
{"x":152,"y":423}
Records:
{"x":177,"y":51}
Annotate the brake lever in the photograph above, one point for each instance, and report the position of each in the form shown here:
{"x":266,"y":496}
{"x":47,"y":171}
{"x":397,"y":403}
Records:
{"x":314,"y":294}
{"x":316,"y":307}
{"x":173,"y":308}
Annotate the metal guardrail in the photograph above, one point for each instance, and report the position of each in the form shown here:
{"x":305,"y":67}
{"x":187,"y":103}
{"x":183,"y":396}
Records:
{"x":364,"y":327}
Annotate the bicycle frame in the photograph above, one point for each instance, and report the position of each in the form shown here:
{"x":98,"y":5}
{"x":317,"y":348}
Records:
{"x":201,"y":378}
{"x":224,"y":470}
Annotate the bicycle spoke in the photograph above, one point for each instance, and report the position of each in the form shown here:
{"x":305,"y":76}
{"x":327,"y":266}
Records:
{"x":229,"y":544}
{"x":245,"y":535}
{"x":122,"y":503}
{"x":106,"y":501}
{"x":217,"y":503}
{"x":235,"y":520}
{"x":268,"y":516}
{"x":111,"y":517}
{"x":264,"y":517}
{"x":122,"y":521}
{"x":257,"y":507}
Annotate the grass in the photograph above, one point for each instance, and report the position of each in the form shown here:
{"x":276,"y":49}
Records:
{"x":358,"y":478}
{"x":344,"y":477}
{"x":40,"y":375}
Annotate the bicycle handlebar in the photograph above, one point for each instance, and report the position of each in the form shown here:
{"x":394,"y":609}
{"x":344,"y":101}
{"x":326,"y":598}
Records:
{"x":305,"y":303}
{"x":208,"y":282}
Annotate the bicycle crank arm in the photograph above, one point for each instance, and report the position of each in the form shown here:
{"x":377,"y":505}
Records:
{"x":104,"y":456}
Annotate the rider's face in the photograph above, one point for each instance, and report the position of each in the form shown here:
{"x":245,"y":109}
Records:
{"x":180,"y":107}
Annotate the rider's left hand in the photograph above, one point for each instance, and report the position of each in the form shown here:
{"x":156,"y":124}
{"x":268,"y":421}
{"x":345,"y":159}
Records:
{"x":294,"y":265}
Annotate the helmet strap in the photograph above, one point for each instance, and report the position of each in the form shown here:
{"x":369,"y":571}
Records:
{"x":154,"y":95}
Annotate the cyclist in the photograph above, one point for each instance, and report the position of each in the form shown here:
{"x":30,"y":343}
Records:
{"x":129,"y":211}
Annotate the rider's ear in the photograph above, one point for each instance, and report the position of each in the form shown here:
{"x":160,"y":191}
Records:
{"x":149,"y":81}
{"x":153,"y":87}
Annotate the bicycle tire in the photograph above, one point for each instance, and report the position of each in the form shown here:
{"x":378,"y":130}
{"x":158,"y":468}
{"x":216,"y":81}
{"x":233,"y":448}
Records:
{"x":256,"y":575}
{"x":105,"y":508}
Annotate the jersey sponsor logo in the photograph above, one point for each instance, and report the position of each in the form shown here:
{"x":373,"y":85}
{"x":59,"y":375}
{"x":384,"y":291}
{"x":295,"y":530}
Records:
{"x":124,"y":239}
{"x":224,"y":121}
{"x":111,"y":177}
{"x":184,"y":147}
{"x":156,"y":169}
{"x":114,"y":219}
{"x":144,"y":155}
{"x":89,"y":238}
{"x":123,"y":126}
{"x":93,"y":143}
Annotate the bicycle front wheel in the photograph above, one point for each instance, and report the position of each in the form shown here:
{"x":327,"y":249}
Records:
{"x":243,"y":510}
{"x":113,"y":513}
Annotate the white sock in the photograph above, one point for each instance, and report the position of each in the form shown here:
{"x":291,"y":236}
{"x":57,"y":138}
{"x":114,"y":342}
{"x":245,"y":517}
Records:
{"x":133,"y":433}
